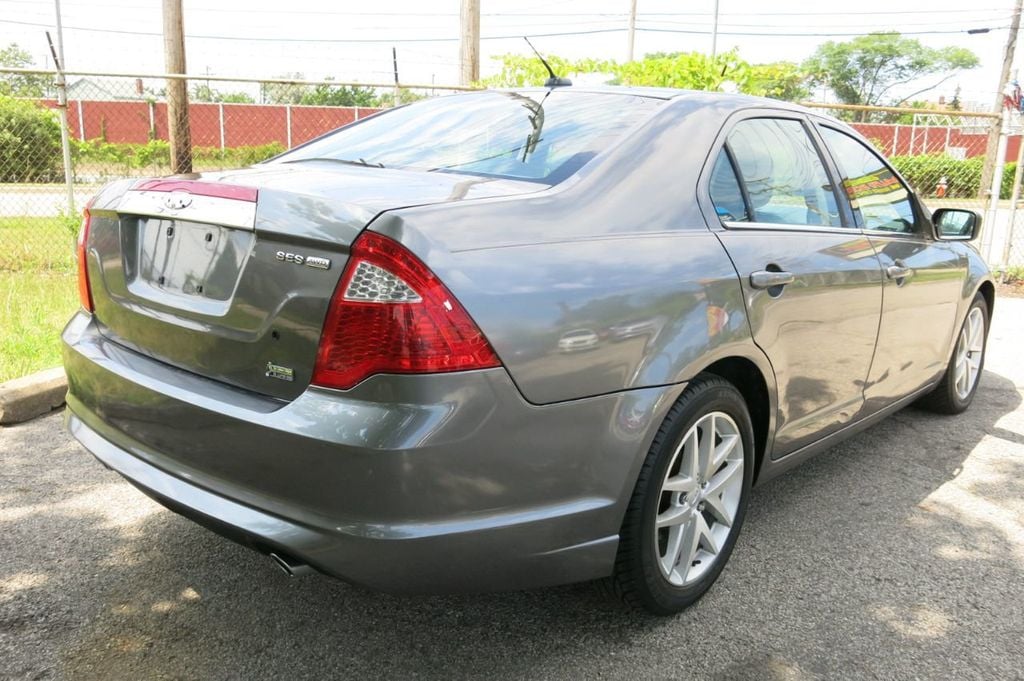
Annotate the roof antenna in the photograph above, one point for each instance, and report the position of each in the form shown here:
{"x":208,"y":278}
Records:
{"x":553,"y":81}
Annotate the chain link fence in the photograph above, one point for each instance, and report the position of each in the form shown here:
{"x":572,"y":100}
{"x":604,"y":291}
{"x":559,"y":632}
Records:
{"x":117,"y":126}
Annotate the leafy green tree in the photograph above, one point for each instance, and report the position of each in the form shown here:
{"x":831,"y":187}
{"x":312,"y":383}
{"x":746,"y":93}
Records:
{"x":386,"y":99}
{"x":29,"y":142}
{"x":284,"y":93}
{"x":17,"y":85}
{"x":867,"y":69}
{"x":204,"y":93}
{"x":340,"y":95}
{"x":688,"y":70}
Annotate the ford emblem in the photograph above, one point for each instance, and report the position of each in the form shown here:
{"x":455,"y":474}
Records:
{"x":177,"y":201}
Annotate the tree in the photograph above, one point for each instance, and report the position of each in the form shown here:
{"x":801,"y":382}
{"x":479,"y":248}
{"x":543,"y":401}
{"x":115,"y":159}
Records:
{"x":202,"y":92}
{"x":17,"y":85}
{"x":387,"y":98}
{"x":283,"y":93}
{"x":688,"y":70}
{"x":868,"y":69}
{"x":340,"y":95}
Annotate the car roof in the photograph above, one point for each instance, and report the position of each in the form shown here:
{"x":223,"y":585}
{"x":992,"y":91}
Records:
{"x":737,"y":101}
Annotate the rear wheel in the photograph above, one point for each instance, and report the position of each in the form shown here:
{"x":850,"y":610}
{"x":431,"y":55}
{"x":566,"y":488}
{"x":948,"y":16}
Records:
{"x":689,"y":500}
{"x":959,"y":383}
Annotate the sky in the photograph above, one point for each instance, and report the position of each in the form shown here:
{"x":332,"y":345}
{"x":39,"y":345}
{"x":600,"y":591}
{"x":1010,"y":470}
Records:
{"x":353,"y":41}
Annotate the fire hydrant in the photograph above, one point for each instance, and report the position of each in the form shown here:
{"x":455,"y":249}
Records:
{"x":940,"y":188}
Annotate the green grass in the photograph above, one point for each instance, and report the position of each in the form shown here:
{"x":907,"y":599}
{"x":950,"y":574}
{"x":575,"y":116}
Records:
{"x":34,"y":307}
{"x":30,"y":244}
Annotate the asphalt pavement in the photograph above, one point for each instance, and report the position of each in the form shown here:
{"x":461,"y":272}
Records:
{"x":898,"y":554}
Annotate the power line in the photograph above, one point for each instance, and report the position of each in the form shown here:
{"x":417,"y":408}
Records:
{"x":504,"y":37}
{"x":622,"y":15}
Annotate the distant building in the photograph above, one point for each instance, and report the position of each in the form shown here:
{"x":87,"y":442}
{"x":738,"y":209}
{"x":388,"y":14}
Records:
{"x":106,"y":89}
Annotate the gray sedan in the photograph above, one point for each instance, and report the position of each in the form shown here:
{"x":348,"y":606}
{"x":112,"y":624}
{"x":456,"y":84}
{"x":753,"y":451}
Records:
{"x":503,"y":340}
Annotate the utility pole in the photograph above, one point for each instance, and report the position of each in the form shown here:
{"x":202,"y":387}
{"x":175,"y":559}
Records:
{"x":62,"y":106}
{"x":991,"y":148}
{"x":714,"y":33}
{"x":470,"y":42}
{"x":632,"y":30}
{"x":177,"y":88}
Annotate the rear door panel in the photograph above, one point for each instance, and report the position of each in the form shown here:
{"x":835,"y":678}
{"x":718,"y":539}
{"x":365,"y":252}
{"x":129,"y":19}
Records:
{"x":819,"y":332}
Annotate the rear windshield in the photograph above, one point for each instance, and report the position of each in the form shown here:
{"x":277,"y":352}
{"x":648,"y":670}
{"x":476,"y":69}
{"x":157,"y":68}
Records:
{"x":541,"y":136}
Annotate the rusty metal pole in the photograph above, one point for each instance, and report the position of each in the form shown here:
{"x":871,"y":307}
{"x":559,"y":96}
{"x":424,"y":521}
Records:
{"x":177,"y":88}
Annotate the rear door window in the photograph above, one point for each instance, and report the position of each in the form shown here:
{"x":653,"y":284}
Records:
{"x":783,"y":174}
{"x":880,"y":201}
{"x":726,"y":193}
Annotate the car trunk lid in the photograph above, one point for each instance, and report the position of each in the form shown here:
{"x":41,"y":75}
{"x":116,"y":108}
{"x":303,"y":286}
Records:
{"x":229,"y":275}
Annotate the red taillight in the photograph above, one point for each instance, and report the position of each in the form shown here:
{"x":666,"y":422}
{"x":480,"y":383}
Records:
{"x":390,"y":314}
{"x":84,"y":293}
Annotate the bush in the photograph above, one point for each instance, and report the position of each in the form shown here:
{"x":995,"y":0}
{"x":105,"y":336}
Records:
{"x":963,"y":177}
{"x":157,"y":153}
{"x":238,"y":156}
{"x":29,"y":142}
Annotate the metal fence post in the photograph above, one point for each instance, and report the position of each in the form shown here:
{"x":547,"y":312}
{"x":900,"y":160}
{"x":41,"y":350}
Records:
{"x":220,"y":113}
{"x":288,"y":124}
{"x":62,"y":108}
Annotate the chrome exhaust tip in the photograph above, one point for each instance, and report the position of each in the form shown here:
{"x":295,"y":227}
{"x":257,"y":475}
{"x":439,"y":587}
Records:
{"x":289,"y":565}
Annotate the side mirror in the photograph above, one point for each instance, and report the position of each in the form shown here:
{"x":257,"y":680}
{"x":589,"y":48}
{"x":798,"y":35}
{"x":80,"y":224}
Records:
{"x":956,"y":224}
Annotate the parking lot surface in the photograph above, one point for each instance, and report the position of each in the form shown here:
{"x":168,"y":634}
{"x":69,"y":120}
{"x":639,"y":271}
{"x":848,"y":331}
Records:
{"x":898,"y":554}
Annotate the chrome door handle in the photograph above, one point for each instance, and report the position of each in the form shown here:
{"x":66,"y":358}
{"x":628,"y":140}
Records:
{"x":899,"y":272}
{"x":766,"y":279}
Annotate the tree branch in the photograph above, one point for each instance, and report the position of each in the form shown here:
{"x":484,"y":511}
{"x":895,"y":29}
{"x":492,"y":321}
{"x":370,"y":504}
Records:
{"x":932,"y":87}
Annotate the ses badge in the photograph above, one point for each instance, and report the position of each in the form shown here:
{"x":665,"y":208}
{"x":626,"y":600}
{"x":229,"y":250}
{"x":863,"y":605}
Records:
{"x":307,"y":260}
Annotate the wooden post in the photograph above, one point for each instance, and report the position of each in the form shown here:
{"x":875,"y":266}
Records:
{"x":177,"y":88}
{"x":470,"y":42}
{"x":631,"y":35}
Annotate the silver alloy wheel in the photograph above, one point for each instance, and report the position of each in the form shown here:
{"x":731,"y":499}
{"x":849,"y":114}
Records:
{"x":699,"y":498}
{"x":969,"y":351}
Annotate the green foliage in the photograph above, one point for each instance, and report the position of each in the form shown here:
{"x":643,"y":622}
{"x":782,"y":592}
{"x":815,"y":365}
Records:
{"x":237,"y":156}
{"x":17,"y":85}
{"x":283,"y":93}
{"x":29,"y":142}
{"x":520,"y":70}
{"x":339,"y":95}
{"x":963,"y":177}
{"x":1014,"y":274}
{"x":687,"y":70}
{"x":156,"y":155}
{"x":35,"y":304}
{"x":866,"y":69}
{"x":386,"y":99}
{"x":204,"y":93}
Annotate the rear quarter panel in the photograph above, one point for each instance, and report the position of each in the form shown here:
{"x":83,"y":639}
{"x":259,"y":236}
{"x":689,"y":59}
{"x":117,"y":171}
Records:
{"x":620,"y":254}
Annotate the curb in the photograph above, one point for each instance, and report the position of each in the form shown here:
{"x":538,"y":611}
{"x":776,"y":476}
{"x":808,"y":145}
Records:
{"x":30,"y":396}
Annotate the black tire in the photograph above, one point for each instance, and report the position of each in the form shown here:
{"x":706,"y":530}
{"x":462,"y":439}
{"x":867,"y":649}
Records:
{"x":637,"y":578}
{"x":944,"y":398}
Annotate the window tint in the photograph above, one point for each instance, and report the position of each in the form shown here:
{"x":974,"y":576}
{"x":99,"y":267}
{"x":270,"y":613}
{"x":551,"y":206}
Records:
{"x":879,"y":199}
{"x":725,"y":191}
{"x":783,"y":173}
{"x":533,"y":135}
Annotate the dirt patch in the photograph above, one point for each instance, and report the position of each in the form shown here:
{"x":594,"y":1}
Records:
{"x":1013,"y":289}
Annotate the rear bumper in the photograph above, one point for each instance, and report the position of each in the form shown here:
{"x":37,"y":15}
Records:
{"x":418,"y":483}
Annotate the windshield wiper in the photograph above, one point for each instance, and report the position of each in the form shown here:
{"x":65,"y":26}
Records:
{"x":357,"y":162}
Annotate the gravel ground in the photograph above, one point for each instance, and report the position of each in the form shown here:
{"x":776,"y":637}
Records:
{"x":898,"y":554}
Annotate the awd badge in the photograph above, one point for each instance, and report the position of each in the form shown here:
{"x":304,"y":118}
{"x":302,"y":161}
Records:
{"x":278,"y":371}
